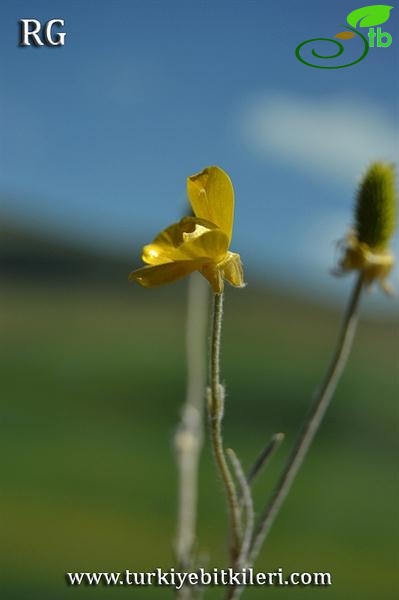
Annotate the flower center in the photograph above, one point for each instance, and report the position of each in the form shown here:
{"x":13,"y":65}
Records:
{"x":198,"y":231}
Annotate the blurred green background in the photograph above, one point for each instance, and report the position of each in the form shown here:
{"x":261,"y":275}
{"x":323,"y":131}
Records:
{"x":93,"y":378}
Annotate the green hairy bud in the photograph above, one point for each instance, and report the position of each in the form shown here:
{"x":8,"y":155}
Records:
{"x":375,"y":210}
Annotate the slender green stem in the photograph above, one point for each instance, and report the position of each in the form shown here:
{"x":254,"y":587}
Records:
{"x":234,"y":591}
{"x":247,"y":504}
{"x":264,"y":457}
{"x":261,"y":461}
{"x":312,"y":424}
{"x":216,"y":409}
{"x":216,"y":335}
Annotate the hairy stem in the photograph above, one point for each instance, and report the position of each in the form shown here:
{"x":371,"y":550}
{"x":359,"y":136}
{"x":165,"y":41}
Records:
{"x":247,"y":504}
{"x":189,"y":435}
{"x":216,"y":409}
{"x":312,"y":424}
{"x":234,"y":591}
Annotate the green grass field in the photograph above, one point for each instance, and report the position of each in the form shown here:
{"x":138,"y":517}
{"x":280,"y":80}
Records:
{"x":92,"y":383}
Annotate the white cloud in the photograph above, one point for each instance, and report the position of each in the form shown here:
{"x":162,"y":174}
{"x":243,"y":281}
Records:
{"x":328,"y":137}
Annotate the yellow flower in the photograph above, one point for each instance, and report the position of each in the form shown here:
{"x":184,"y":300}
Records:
{"x":366,"y":246}
{"x":198,"y":243}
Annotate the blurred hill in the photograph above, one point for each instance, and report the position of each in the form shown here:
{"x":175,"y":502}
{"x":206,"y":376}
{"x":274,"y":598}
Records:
{"x":28,"y":253}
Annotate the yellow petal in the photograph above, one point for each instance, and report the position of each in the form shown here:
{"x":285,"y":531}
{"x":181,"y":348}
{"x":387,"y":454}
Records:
{"x":214,"y":275}
{"x":166,"y":273}
{"x":190,"y":239}
{"x":233,"y":271}
{"x":211,"y":195}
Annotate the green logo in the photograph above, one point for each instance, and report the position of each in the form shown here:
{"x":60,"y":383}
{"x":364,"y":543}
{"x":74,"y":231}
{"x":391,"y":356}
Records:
{"x":366,"y":17}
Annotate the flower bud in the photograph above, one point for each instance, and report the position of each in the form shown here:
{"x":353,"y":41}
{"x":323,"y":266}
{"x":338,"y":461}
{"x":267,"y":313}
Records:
{"x":375,"y":210}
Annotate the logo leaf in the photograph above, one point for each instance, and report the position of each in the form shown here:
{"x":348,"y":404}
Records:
{"x":345,"y":35}
{"x":368,"y":16}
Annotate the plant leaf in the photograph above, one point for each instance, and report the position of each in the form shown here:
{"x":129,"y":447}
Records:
{"x":368,"y":16}
{"x":345,"y":35}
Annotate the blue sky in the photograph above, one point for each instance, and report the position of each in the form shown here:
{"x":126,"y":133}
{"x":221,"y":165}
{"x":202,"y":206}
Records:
{"x":98,"y":136}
